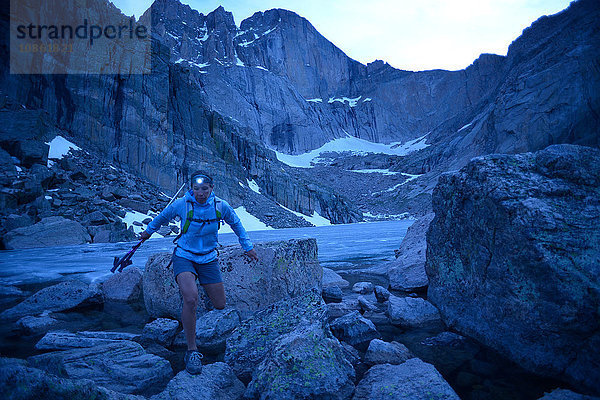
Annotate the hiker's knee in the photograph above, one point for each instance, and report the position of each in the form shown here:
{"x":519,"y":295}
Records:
{"x":190,"y":300}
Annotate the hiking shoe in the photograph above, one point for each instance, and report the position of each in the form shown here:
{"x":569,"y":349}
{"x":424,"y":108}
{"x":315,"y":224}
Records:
{"x":193,"y":362}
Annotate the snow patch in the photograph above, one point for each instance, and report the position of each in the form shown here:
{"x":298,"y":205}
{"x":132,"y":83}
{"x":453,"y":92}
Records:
{"x":351,"y":102}
{"x":252,"y":185}
{"x":411,"y":177}
{"x":239,"y":62}
{"x":465,"y":127}
{"x":354,"y":145}
{"x":263,"y":68}
{"x":315,"y":219}
{"x":375,"y":171}
{"x":131,"y":217}
{"x":315,"y":100}
{"x":59,"y":147}
{"x":367,"y":99}
{"x":250,"y":222}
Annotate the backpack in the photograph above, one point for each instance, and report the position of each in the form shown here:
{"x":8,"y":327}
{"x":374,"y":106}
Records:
{"x":189,"y":217}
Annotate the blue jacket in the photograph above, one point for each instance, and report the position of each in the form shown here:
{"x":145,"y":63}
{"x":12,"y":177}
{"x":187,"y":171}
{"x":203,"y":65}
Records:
{"x":200,"y":238}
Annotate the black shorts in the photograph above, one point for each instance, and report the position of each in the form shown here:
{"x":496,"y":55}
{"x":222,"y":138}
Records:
{"x":206,"y":273}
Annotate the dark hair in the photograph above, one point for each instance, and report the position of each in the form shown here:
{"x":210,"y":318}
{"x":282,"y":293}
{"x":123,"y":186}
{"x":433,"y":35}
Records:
{"x":200,"y":173}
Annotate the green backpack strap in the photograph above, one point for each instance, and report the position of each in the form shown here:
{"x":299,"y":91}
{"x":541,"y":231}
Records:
{"x":189,"y":215}
{"x":218,"y":211}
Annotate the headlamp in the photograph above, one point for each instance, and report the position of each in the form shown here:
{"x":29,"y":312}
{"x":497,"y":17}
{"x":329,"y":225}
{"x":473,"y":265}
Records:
{"x":200,"y":179}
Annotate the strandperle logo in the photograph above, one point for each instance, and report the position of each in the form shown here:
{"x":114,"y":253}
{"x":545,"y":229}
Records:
{"x":76,"y":37}
{"x":83,"y":31}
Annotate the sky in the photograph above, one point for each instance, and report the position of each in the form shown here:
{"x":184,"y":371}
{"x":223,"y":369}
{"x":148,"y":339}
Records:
{"x":407,"y":34}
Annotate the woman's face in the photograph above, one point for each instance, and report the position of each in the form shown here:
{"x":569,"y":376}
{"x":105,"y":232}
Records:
{"x":201,"y":191}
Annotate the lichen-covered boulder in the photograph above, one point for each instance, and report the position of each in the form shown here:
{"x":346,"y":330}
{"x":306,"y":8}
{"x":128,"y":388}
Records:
{"x":513,"y":255}
{"x":307,"y":363}
{"x":252,"y":341}
{"x":286,"y":269}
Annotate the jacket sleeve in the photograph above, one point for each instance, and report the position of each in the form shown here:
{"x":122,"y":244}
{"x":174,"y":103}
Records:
{"x":165,"y":216}
{"x":233,"y":220}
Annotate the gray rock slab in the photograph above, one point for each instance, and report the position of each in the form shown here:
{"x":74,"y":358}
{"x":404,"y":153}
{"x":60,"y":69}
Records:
{"x":60,"y":340}
{"x":124,"y":286}
{"x":413,"y":379}
{"x":564,"y":394}
{"x":363,"y":287}
{"x":380,"y":352}
{"x":305,"y":363}
{"x":60,"y":297}
{"x":332,"y":278}
{"x":407,"y":271}
{"x":332,"y":294}
{"x":37,"y":325}
{"x":286,"y":269}
{"x":122,"y":366}
{"x":161,"y":331}
{"x":216,"y":381}
{"x":410,"y":312}
{"x":20,"y":381}
{"x":354,"y":329}
{"x":50,"y":231}
{"x":381,"y":294}
{"x":336,"y":310}
{"x":212,"y":330}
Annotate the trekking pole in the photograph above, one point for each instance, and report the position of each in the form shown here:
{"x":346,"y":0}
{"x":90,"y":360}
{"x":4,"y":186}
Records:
{"x":125,"y":261}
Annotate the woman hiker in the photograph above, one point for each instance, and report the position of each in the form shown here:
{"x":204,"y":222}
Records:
{"x":196,"y":255}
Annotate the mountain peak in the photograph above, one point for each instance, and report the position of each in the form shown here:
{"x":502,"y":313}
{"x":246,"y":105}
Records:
{"x":221,"y":18}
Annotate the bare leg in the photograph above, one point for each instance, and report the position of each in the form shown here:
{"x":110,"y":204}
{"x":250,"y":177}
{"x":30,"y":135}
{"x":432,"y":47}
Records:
{"x":216,"y":293}
{"x":189,"y":292}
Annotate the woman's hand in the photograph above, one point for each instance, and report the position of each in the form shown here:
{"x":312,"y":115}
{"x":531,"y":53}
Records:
{"x":252,"y":255}
{"x":145,"y":235}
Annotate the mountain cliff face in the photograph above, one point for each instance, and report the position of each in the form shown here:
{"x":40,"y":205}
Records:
{"x":222,"y":97}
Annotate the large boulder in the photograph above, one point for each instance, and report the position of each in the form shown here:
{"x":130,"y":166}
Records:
{"x":413,"y":379}
{"x":286,"y":269}
{"x":407,"y":271}
{"x":122,"y":366}
{"x":513,"y":255}
{"x":216,"y":381}
{"x":60,"y":297}
{"x":23,"y":382}
{"x":50,"y":231}
{"x":307,"y":363}
{"x":252,"y":341}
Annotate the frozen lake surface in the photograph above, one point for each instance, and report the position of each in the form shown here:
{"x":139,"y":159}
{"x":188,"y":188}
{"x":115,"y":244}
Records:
{"x":340,"y":247}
